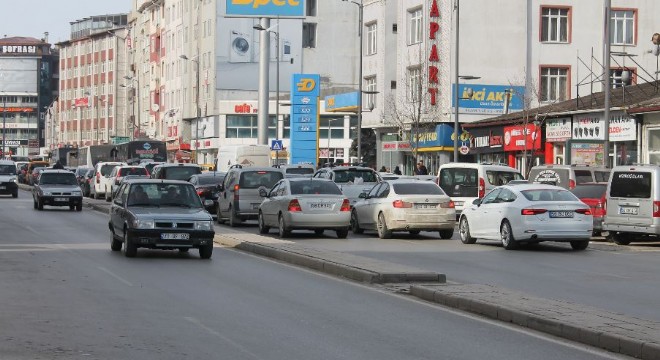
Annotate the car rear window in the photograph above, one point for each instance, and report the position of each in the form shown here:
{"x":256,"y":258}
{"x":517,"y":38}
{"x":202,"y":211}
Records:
{"x":211,"y":180}
{"x":181,"y":172}
{"x":345,"y":176}
{"x":134,"y":171}
{"x":418,"y":188}
{"x":58,"y":179}
{"x":300,"y":171}
{"x":107,"y":169}
{"x":549,"y":195}
{"x":314,"y":187}
{"x":583,"y":176}
{"x":602,"y":176}
{"x":499,"y":178}
{"x":631,"y":185}
{"x":256,"y":179}
{"x":589,"y":191}
{"x":8,"y":169}
{"x":459,"y":182}
{"x":557,"y":177}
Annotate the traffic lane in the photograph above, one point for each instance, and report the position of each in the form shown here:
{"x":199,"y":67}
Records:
{"x":72,"y":299}
{"x":620,"y":281}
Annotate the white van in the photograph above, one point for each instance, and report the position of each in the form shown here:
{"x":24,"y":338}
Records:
{"x":464,"y":182}
{"x":633,"y":203}
{"x":244,"y":155}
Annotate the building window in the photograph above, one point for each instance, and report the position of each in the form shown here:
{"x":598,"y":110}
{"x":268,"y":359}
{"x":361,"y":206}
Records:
{"x":334,"y":124}
{"x":309,"y":35}
{"x":622,"y":77}
{"x":310,"y":8}
{"x":622,"y":27}
{"x":415,"y":84}
{"x":272,"y":127}
{"x":370,"y":96}
{"x":241,"y":126}
{"x":555,"y":24}
{"x":554,"y":84}
{"x":371,"y":45}
{"x":415,"y":23}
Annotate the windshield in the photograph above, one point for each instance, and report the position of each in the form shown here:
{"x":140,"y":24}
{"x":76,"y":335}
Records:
{"x":211,"y":180}
{"x":459,"y":182}
{"x":256,"y":179}
{"x":107,"y":169}
{"x":58,"y":179}
{"x":150,"y":166}
{"x":350,"y":176}
{"x":589,"y":191}
{"x":549,"y":195}
{"x":133,"y":171}
{"x":81,"y":171}
{"x":8,"y":169}
{"x":418,"y":188}
{"x":499,"y":178}
{"x":181,"y":172}
{"x":312,"y":187}
{"x":300,"y":171}
{"x":160,"y":195}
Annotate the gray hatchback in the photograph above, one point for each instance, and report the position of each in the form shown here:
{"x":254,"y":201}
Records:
{"x":57,"y":188}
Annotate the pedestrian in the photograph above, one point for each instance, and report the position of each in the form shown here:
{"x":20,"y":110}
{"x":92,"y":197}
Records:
{"x":397,"y":171}
{"x":421,"y":169}
{"x":382,"y":169}
{"x":58,"y":165}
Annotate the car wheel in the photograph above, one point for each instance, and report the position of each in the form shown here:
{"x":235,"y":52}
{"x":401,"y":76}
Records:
{"x":115,"y":245}
{"x":342,"y":234}
{"x":218,"y":217}
{"x":34,"y":203}
{"x":283,"y":230}
{"x":263,"y":229}
{"x":446,"y":234}
{"x":130,"y":249}
{"x":206,"y":251}
{"x":506,"y":235}
{"x":72,"y":207}
{"x":233,"y":219}
{"x":464,"y":231}
{"x":14,"y":194}
{"x":40,"y":204}
{"x":414,"y":232}
{"x":579,"y":245}
{"x":319,"y":231}
{"x":79,"y":207}
{"x":355,"y":224}
{"x":108,"y":197}
{"x":383,"y":231}
{"x":621,"y":239}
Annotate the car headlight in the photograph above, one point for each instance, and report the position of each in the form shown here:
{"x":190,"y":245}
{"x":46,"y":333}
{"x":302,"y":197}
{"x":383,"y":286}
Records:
{"x":143,"y":224}
{"x":76,"y":193}
{"x":12,"y":179}
{"x":46,"y":193}
{"x":203,"y":225}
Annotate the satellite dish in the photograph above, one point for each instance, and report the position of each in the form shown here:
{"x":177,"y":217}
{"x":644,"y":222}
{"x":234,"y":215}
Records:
{"x":155,"y":107}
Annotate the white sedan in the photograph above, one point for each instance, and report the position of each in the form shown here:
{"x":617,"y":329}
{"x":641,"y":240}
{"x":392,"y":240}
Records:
{"x":515,"y":214}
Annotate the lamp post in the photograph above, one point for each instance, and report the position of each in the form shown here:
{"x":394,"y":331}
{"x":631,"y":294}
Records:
{"x":360,"y":6}
{"x":277,"y":80}
{"x":135,"y":87}
{"x":329,"y":131}
{"x":197,"y":107}
{"x":607,"y":80}
{"x":4,"y":124}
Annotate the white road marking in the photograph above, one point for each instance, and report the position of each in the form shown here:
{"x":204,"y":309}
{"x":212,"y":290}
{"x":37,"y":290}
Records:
{"x":213,"y":332}
{"x":124,"y":281}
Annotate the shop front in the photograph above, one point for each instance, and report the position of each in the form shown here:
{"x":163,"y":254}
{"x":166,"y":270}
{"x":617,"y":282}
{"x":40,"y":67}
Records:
{"x":436,"y":148}
{"x":586,"y":146}
{"x":487,"y":144}
{"x":522,"y":145}
{"x":557,"y":134}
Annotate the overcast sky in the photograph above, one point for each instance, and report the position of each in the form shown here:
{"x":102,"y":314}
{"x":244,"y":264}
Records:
{"x":32,"y":18}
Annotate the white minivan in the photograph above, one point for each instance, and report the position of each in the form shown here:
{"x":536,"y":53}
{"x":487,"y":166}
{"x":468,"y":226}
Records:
{"x":633,"y":204}
{"x":244,"y":155}
{"x":464,"y":182}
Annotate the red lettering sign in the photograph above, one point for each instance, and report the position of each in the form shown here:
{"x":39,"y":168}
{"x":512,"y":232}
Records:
{"x":519,"y":138}
{"x":433,"y":92}
{"x":434,"y":9}
{"x":434,"y":54}
{"x":433,"y":74}
{"x":434,"y":27}
{"x":243,"y":109}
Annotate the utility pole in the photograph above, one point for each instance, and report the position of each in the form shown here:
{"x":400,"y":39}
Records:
{"x":607,"y":81}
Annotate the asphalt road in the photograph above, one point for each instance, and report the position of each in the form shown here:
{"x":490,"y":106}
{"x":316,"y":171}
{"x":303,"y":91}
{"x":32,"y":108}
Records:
{"x":65,"y":295}
{"x":615,"y":278}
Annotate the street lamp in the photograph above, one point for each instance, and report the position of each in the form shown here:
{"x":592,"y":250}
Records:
{"x":360,"y":6}
{"x":457,"y":95}
{"x":135,"y":87}
{"x":277,"y":79}
{"x":329,"y":131}
{"x":198,"y":109}
{"x":4,"y":124}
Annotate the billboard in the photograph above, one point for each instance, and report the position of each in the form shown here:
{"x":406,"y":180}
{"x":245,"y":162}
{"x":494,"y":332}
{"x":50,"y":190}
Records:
{"x":266,"y":8}
{"x":486,"y":99}
{"x":18,"y":75}
{"x":342,"y":102}
{"x":305,"y":118}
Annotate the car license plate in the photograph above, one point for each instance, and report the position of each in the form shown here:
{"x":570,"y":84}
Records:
{"x":562,"y":214}
{"x":208,"y":202}
{"x":61,"y":199}
{"x":175,"y":236}
{"x":458,"y":203}
{"x":425,"y":206}
{"x":3,"y":187}
{"x":255,"y":206}
{"x":320,"y":206}
{"x":628,"y":210}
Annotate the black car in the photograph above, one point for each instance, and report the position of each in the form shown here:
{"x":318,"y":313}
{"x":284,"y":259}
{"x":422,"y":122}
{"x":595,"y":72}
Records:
{"x":206,"y":185}
{"x":160,"y":214}
{"x":57,"y":188}
{"x":80,"y":174}
{"x":180,"y":171}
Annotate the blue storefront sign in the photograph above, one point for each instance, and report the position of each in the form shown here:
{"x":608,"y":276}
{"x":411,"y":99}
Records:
{"x":342,"y":102}
{"x":305,"y":118}
{"x":487,"y":99}
{"x":440,"y":139}
{"x":266,"y":8}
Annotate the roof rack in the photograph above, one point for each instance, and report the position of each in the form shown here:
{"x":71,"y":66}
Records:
{"x":238,"y":166}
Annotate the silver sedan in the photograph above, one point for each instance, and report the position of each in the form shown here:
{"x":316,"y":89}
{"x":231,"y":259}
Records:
{"x":307,"y":204}
{"x":404,"y":205}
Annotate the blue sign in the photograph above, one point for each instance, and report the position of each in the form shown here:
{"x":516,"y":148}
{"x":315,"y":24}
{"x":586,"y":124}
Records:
{"x":276,"y":145}
{"x":305,"y":118}
{"x":266,"y":8}
{"x":342,"y":102}
{"x":441,"y":137}
{"x":487,"y":99}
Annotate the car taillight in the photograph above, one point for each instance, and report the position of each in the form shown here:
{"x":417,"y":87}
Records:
{"x":656,"y":209}
{"x":400,"y":204}
{"x":294,"y":206}
{"x":200,"y":192}
{"x":482,"y":188}
{"x":98,"y":178}
{"x":533,"y":211}
{"x":571,"y":184}
{"x":583,"y":211}
{"x":345,"y":206}
{"x":449,"y":205}
{"x":236,"y":188}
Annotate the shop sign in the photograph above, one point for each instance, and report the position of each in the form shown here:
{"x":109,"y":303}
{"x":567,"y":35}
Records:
{"x":592,"y":154}
{"x":434,"y":59}
{"x":558,"y":130}
{"x":16,"y":109}
{"x":521,"y":138}
{"x":622,"y":127}
{"x":487,"y":99}
{"x":395,"y":145}
{"x":14,"y":142}
{"x":244,"y":109}
{"x":588,"y":127}
{"x":18,"y":49}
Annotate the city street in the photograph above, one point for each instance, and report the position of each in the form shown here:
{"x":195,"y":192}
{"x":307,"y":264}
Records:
{"x":66,"y":295}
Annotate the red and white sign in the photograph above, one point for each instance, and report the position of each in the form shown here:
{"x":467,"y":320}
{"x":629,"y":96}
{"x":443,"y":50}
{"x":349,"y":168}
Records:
{"x":81,"y":102}
{"x":519,"y":138}
{"x":558,"y":130}
{"x":434,"y":59}
{"x":395,"y":146}
{"x":245,"y":109}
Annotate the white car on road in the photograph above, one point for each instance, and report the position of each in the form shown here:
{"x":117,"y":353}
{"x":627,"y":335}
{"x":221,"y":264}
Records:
{"x":528,"y":213}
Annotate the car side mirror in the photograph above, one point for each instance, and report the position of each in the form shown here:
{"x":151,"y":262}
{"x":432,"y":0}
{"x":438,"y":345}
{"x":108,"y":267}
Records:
{"x":263,"y":193}
{"x":221,"y":187}
{"x":363,"y":195}
{"x":476,"y":202}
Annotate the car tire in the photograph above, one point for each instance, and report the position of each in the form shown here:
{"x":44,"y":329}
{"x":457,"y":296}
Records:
{"x":40,"y":204}
{"x":206,"y":251}
{"x":506,"y":234}
{"x":130,"y":249}
{"x":319,"y":232}
{"x":355,"y":223}
{"x":342,"y":234}
{"x":233,"y":219}
{"x":14,"y":194}
{"x":414,"y":232}
{"x":446,"y":234}
{"x":34,"y":203}
{"x":580,"y":245}
{"x":464,"y":231}
{"x":383,"y":231}
{"x":79,"y":207}
{"x":263,"y":229}
{"x":72,"y":207}
{"x":108,"y":197}
{"x":621,"y":239}
{"x":218,"y":216}
{"x":115,"y":245}
{"x":284,"y":231}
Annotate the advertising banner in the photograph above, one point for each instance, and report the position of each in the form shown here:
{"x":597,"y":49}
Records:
{"x":558,"y":130}
{"x":486,"y":140}
{"x":588,"y":127}
{"x":342,"y":102}
{"x":521,"y":138}
{"x":305,"y":118}
{"x":622,"y":127}
{"x":487,"y":99}
{"x":592,"y":154}
{"x":266,"y":8}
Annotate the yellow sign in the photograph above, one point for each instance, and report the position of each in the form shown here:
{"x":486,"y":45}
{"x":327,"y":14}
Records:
{"x":306,"y":85}
{"x":258,"y":3}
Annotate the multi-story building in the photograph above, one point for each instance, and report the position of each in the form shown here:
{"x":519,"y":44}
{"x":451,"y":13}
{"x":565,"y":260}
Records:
{"x":28,"y":76}
{"x":92,"y":105}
